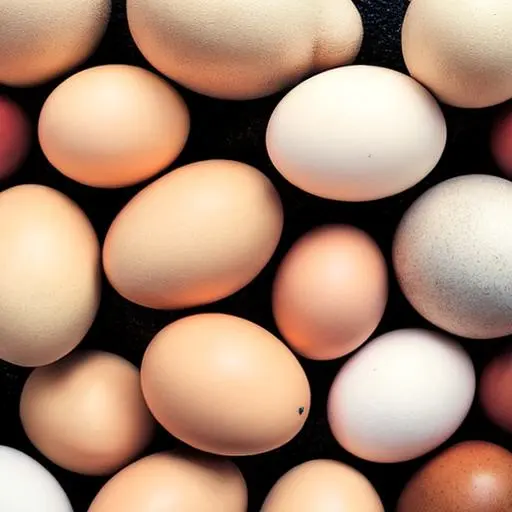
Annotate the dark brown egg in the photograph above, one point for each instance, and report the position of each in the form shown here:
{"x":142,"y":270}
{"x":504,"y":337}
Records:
{"x":473,"y":476}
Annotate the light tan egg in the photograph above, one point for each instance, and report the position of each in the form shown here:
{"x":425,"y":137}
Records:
{"x":197,"y":235}
{"x":41,"y":39}
{"x":242,"y":49}
{"x":461,"y":49}
{"x":323,"y":486}
{"x":181,"y":482}
{"x":225,"y":385}
{"x":112,"y":126}
{"x":86,"y":412}
{"x":50,"y":275}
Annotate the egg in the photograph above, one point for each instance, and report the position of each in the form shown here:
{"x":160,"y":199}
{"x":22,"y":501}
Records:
{"x":224,"y":385}
{"x":401,"y":395}
{"x":239,"y":49}
{"x":460,"y":49}
{"x":86,"y":412}
{"x":177,"y":481}
{"x":113,"y":126}
{"x":496,"y":390}
{"x":195,"y":236}
{"x":323,"y":486}
{"x":41,"y":39}
{"x":50,"y":278}
{"x":501,"y":142}
{"x":14,"y":137}
{"x":26,"y":486}
{"x":470,"y":476}
{"x":452,"y":255}
{"x":330,"y":292}
{"x":351,"y":134}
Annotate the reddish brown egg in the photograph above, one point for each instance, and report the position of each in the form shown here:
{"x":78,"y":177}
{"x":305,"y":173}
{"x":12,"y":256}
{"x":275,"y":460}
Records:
{"x":473,"y":476}
{"x":501,"y":142}
{"x":14,"y":137}
{"x":496,"y":390}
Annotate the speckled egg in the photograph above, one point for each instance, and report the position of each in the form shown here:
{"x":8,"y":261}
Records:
{"x":452,"y":255}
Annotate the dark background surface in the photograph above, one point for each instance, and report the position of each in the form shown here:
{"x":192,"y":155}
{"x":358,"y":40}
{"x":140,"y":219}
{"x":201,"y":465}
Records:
{"x":236,"y":130}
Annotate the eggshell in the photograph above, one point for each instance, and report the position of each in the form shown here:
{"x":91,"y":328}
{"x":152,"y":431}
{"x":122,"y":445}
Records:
{"x":49,"y":275}
{"x":26,"y":486}
{"x":501,"y":142}
{"x":14,"y":137}
{"x":453,"y":256}
{"x":113,"y":125}
{"x":174,"y":482}
{"x":322,"y":486}
{"x":41,"y":39}
{"x":330,"y":292}
{"x":195,"y":236}
{"x":473,"y":476}
{"x":86,"y":412}
{"x":496,"y":390}
{"x":460,"y":49}
{"x":351,"y":134}
{"x":243,"y":49}
{"x":224,"y":385}
{"x":401,"y":395}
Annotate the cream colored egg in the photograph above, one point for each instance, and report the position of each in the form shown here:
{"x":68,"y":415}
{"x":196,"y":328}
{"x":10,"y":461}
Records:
{"x":197,"y":235}
{"x":242,"y":49}
{"x":113,"y":125}
{"x":461,"y":49}
{"x":50,"y":275}
{"x":40,"y":39}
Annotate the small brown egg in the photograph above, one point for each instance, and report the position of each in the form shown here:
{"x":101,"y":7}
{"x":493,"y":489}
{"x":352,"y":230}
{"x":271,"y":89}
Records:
{"x":41,"y":39}
{"x":496,"y":390}
{"x":473,"y":476}
{"x":49,"y":275}
{"x":225,"y":385}
{"x":323,"y":486}
{"x":330,"y":292}
{"x":180,"y":482}
{"x":86,"y":412}
{"x":196,"y":235}
{"x":113,"y":126}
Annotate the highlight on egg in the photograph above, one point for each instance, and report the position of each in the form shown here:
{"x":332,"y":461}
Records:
{"x":243,"y":50}
{"x":112,"y":126}
{"x":224,"y":385}
{"x":352,"y":134}
{"x":402,"y":395}
{"x":460,"y":49}
{"x":330,"y":292}
{"x":43,"y":39}
{"x":181,"y":481}
{"x":50,"y":282}
{"x":452,"y":256}
{"x":195,"y":236}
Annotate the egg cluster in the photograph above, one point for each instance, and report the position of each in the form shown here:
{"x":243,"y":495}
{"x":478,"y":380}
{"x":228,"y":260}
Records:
{"x":222,"y":385}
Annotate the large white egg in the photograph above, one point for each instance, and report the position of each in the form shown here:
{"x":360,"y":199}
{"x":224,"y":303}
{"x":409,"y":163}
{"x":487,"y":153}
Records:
{"x":401,"y":395}
{"x":356,"y":133}
{"x":26,"y":486}
{"x":453,"y":256}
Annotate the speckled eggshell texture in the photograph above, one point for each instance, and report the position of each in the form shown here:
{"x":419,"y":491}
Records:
{"x":452,"y":255}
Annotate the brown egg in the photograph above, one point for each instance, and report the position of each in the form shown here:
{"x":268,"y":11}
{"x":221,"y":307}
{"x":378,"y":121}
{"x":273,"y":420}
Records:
{"x":41,"y":39}
{"x":473,"y":476}
{"x":180,"y":482}
{"x":49,"y":275}
{"x":496,"y":390}
{"x":225,"y":385}
{"x":112,"y":126}
{"x":197,"y":235}
{"x":330,"y":292}
{"x":86,"y":412}
{"x":323,"y":486}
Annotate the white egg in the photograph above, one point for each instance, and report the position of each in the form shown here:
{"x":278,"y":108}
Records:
{"x":401,"y":396}
{"x":26,"y":486}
